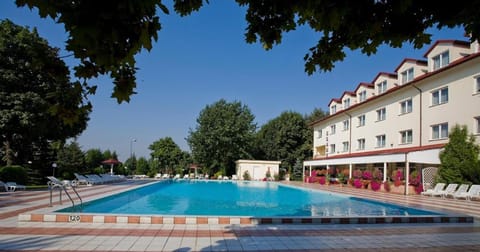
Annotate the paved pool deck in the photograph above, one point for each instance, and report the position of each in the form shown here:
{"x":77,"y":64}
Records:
{"x":48,"y":235}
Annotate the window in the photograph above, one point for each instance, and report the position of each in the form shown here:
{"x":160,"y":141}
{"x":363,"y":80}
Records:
{"x":477,"y":125}
{"x":346,"y":103}
{"x":477,"y":84}
{"x":440,"y":131}
{"x":440,"y":96}
{"x":406,"y":106}
{"x":406,"y":137}
{"x":362,"y":96}
{"x":319,"y":133}
{"x":407,"y":75}
{"x":345,"y":146}
{"x":441,"y":60}
{"x":333,"y":129}
{"x":361,"y":120}
{"x":361,"y":144}
{"x":332,"y":148}
{"x":382,"y":87}
{"x":381,"y":114}
{"x":334,"y":109}
{"x":380,"y":141}
{"x":346,"y":125}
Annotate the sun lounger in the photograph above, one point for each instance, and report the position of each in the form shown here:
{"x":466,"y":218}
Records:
{"x":473,"y":192}
{"x":6,"y":187}
{"x":459,"y":192}
{"x":14,"y":186}
{"x":438,"y":187}
{"x":451,"y":188}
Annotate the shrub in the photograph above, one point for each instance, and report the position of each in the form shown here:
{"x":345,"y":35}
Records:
{"x":358,"y":183}
{"x":378,"y":175}
{"x":357,"y":174}
{"x":375,"y":185}
{"x":246,"y":176}
{"x":367,"y":175}
{"x":14,"y":173}
{"x":322,"y":180}
{"x":398,"y":177}
{"x":415,"y":179}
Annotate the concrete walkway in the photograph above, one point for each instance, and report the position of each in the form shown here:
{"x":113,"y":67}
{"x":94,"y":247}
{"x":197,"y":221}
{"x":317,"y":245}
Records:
{"x":54,"y":236}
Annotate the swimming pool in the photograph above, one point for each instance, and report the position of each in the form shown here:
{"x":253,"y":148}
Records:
{"x":240,"y":198}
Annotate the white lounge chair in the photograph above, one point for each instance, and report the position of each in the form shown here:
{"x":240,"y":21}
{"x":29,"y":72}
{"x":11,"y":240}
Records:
{"x":14,"y":186}
{"x":451,"y":188}
{"x":473,"y":192}
{"x":438,"y":187}
{"x":459,"y":192}
{"x":6,"y":187}
{"x":234,"y":177}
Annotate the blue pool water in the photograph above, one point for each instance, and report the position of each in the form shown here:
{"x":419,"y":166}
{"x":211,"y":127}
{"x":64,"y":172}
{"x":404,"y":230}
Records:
{"x":228,"y":198}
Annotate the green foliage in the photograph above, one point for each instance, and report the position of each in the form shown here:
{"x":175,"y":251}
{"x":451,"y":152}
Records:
{"x":168,"y":154}
{"x":38,"y":103}
{"x":93,"y":159}
{"x":70,"y":159}
{"x":459,"y":160}
{"x":14,"y":173}
{"x":297,"y":170}
{"x":224,"y":134}
{"x":143,"y":167}
{"x":284,"y":139}
{"x":246,"y":176}
{"x":106,"y":35}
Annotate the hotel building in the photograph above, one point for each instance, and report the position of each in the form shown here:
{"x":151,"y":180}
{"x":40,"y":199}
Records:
{"x":401,"y":120}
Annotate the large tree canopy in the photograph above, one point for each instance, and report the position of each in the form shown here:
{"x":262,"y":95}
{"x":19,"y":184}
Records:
{"x":224,"y":133}
{"x":106,"y":35}
{"x":38,"y":103}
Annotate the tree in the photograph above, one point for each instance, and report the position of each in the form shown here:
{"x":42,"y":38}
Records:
{"x":70,"y":159}
{"x":93,"y":159}
{"x":143,"y":167}
{"x":38,"y":103}
{"x":283,"y":138}
{"x":125,"y":27}
{"x":167,"y":152}
{"x":224,"y":134}
{"x":459,"y":160}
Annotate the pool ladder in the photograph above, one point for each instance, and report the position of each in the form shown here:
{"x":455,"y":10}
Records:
{"x":55,"y":183}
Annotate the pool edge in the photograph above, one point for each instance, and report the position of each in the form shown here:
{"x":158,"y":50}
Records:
{"x":228,"y":220}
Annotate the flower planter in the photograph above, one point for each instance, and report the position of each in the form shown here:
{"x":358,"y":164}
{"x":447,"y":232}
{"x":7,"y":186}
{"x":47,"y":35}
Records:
{"x":401,"y":189}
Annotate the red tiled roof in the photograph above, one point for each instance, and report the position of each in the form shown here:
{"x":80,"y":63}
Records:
{"x":459,"y":43}
{"x":416,"y":61}
{"x":364,"y":84}
{"x":416,"y":80}
{"x":390,"y":75}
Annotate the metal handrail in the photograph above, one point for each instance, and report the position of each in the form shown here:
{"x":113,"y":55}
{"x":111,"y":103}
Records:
{"x":56,"y":183}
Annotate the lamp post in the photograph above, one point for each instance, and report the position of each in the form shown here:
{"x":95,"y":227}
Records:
{"x":131,"y":145}
{"x":54,"y":165}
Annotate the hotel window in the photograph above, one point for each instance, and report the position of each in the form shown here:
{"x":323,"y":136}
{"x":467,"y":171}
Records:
{"x":362,"y":96}
{"x":345,"y":146}
{"x":441,"y":60}
{"x":381,"y":114}
{"x":407,"y":75}
{"x":406,"y":106}
{"x":406,"y":136}
{"x":477,"y":84}
{"x":361,"y":144}
{"x":346,"y":125}
{"x":361,"y":120}
{"x":346,"y":103}
{"x":380,"y":141}
{"x":333,"y":129}
{"x":332,"y":148}
{"x":382,"y":87}
{"x":319,"y":133}
{"x":477,"y":125}
{"x":440,"y":131}
{"x":440,"y":96}
{"x":334,"y":109}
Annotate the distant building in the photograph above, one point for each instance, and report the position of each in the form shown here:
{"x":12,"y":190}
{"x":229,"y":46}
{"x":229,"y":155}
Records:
{"x":401,"y":120}
{"x":257,"y":169}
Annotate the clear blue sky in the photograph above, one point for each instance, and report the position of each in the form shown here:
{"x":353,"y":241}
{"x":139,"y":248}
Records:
{"x":202,"y":58}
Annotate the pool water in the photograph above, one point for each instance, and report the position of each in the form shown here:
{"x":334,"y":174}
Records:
{"x":239,"y":198}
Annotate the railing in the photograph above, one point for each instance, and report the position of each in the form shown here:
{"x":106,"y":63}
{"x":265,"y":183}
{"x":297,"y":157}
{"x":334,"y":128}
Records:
{"x":56,"y":183}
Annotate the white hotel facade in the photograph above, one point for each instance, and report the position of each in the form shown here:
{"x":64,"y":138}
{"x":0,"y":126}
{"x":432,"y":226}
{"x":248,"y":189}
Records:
{"x":401,"y":120}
